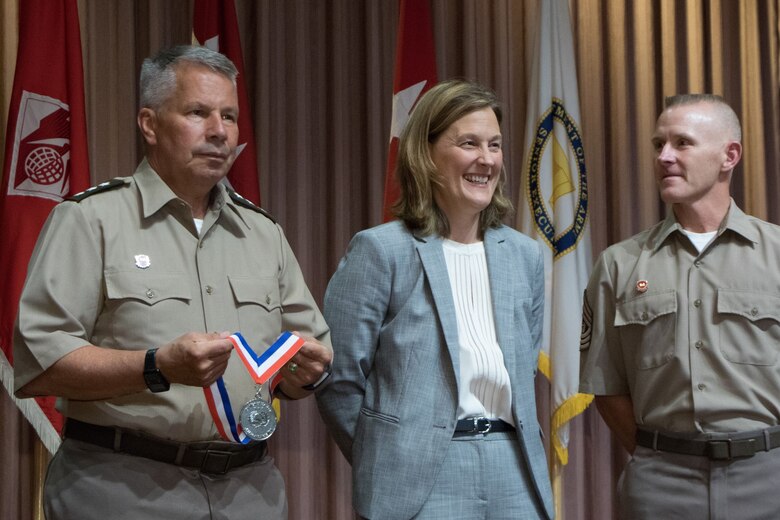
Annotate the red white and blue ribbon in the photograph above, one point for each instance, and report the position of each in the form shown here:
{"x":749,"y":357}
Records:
{"x":261,"y":368}
{"x":222,"y":413}
{"x":269,"y":362}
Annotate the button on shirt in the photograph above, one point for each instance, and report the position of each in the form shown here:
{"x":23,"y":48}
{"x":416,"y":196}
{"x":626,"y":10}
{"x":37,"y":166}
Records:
{"x":127,"y":269}
{"x":696,"y":348}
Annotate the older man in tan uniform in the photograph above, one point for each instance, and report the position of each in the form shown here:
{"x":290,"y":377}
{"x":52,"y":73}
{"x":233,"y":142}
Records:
{"x":132,"y":290}
{"x":681,"y":334}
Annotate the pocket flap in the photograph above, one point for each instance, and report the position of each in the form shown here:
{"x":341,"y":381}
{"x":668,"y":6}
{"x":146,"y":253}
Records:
{"x":260,"y":291}
{"x":147,"y":287}
{"x":644,"y":309}
{"x":749,"y":304}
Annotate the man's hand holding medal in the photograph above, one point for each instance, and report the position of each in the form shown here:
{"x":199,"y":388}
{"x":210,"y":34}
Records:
{"x":298,"y":366}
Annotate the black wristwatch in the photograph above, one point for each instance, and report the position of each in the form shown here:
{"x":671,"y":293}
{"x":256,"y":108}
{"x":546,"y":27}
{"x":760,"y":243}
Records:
{"x":155,"y":379}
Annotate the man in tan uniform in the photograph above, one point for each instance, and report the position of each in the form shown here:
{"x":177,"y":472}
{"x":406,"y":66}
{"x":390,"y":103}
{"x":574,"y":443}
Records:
{"x":681,"y":334}
{"x":132,"y":292}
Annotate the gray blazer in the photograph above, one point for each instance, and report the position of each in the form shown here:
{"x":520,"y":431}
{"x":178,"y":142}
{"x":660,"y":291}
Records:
{"x":392,"y":401}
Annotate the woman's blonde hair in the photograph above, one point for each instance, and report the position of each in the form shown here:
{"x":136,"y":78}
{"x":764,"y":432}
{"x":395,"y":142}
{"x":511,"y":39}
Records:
{"x":415,"y":171}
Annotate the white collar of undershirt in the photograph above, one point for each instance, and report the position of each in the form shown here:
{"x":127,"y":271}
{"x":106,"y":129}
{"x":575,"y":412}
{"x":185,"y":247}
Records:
{"x":700,"y":240}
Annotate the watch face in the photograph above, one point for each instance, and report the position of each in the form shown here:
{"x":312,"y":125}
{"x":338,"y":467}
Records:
{"x":155,"y":381}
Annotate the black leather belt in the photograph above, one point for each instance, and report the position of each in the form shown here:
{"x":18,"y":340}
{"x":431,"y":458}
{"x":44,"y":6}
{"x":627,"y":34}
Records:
{"x":480,"y":425}
{"x":739,"y":445}
{"x":209,"y":457}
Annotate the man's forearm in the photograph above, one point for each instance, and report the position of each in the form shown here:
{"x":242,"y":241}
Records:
{"x":90,"y":373}
{"x":618,"y":412}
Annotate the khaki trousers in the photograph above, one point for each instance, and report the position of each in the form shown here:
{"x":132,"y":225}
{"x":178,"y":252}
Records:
{"x":86,"y":482}
{"x":662,"y":485}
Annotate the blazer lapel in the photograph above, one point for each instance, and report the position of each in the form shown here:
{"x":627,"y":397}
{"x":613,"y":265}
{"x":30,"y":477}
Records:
{"x":432,"y":258}
{"x":499,"y":271}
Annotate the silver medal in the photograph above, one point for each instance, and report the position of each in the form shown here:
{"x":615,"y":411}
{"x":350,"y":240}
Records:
{"x":258,"y":419}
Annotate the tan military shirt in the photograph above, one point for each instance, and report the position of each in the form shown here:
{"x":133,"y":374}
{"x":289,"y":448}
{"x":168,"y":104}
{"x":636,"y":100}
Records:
{"x":693,"y":338}
{"x":125,"y":268}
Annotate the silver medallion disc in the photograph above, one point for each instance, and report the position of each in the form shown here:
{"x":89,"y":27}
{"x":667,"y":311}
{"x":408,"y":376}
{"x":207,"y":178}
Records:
{"x":258,"y":419}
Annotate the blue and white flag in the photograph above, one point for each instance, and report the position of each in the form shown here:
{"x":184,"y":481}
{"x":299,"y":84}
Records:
{"x":553,"y":208}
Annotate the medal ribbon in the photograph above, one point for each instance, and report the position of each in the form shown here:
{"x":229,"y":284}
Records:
{"x":261,"y":368}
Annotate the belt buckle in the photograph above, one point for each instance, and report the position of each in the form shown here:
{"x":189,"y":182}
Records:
{"x":719,"y":450}
{"x":481,"y":425}
{"x":212,"y":458}
{"x":730,"y":448}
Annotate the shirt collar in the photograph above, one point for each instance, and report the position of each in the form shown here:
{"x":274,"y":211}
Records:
{"x":155,"y":194}
{"x":736,"y":220}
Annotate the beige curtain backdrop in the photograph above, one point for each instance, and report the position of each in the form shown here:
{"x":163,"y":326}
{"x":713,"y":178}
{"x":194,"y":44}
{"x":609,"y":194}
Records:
{"x":319,"y":76}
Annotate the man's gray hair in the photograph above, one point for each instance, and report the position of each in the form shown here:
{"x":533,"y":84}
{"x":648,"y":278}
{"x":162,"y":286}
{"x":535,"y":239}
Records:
{"x":158,"y":73}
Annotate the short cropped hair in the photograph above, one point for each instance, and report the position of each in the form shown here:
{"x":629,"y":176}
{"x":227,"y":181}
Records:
{"x":415,"y":170}
{"x":726,"y":113}
{"x":158,"y":73}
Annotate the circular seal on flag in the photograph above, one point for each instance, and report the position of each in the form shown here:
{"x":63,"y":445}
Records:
{"x":258,"y":419}
{"x":560,"y":224}
{"x":44,"y":165}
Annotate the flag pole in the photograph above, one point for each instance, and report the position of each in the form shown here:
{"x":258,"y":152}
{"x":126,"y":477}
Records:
{"x":41,"y":457}
{"x":557,"y":486}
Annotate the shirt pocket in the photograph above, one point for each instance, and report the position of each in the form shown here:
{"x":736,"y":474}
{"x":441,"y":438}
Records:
{"x":647,"y":325}
{"x":259,"y":305}
{"x":136,"y":298}
{"x":748,"y":326}
{"x":145,"y":288}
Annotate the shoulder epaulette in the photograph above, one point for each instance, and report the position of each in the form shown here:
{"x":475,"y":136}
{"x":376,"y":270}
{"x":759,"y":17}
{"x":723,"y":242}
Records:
{"x":246,"y":203}
{"x":103,"y":186}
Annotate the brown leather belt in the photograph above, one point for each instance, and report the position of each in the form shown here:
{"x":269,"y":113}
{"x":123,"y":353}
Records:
{"x":215,"y":457}
{"x":736,"y":446}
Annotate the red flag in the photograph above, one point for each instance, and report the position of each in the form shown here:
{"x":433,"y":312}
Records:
{"x":215,"y":26}
{"x":46,"y":160}
{"x":415,"y":73}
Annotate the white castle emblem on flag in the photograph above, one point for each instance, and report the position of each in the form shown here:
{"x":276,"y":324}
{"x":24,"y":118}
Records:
{"x":41,"y":149}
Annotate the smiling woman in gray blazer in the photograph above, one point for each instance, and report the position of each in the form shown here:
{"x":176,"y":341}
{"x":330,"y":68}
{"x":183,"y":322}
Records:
{"x":436,"y":323}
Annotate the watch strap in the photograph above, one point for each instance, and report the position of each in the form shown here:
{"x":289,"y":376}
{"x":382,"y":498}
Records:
{"x":153,"y":377}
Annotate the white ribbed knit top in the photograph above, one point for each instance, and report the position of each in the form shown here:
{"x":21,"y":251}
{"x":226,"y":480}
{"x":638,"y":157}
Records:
{"x":483,"y":379}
